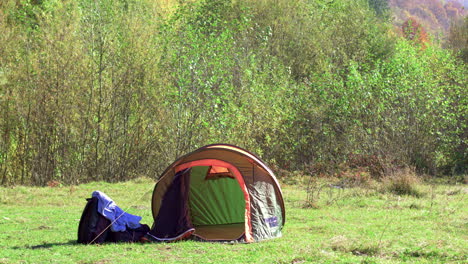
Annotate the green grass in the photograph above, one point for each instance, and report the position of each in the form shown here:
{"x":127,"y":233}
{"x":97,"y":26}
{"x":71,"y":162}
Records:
{"x":352,"y":225}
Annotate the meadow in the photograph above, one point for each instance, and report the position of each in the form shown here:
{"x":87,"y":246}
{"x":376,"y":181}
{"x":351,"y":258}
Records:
{"x":325,"y":223}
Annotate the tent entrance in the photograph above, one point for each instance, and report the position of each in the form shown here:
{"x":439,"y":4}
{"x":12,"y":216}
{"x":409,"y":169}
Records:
{"x":216,"y":204}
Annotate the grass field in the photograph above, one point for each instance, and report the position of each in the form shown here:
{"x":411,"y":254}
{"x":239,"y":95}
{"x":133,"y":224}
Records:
{"x":331,"y":225}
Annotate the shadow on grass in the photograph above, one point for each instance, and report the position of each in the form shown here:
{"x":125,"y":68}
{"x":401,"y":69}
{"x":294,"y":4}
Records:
{"x":69,"y":243}
{"x":48,"y":245}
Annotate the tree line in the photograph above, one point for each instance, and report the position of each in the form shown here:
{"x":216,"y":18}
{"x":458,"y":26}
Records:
{"x":112,"y":90}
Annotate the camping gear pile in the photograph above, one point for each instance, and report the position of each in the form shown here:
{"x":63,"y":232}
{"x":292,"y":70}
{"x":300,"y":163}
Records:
{"x":218,"y":192}
{"x":103,"y":221}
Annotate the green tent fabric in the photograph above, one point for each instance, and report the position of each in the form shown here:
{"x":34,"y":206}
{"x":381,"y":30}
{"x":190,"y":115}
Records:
{"x":214,"y":201}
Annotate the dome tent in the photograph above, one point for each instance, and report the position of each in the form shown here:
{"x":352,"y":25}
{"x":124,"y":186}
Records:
{"x":218,"y":192}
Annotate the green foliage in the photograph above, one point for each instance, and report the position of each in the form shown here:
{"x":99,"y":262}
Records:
{"x":400,"y":109}
{"x":321,"y":36}
{"x":79,"y":86}
{"x":457,"y":38}
{"x":217,"y":82}
{"x":112,"y":90}
{"x":380,"y":7}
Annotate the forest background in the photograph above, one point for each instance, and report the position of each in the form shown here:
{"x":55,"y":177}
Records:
{"x":113,"y":90}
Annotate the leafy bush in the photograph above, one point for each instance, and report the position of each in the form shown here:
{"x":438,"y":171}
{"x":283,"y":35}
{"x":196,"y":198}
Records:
{"x":113,"y":90}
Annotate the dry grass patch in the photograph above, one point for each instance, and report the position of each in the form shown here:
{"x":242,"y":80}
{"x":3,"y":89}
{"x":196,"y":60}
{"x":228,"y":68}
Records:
{"x":354,"y":246}
{"x":402,"y":182}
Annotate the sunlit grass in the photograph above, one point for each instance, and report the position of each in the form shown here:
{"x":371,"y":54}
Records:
{"x":350,"y":225}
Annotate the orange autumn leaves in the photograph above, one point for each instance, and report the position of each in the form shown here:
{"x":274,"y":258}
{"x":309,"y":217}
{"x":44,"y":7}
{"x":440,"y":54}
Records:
{"x":413,"y":31}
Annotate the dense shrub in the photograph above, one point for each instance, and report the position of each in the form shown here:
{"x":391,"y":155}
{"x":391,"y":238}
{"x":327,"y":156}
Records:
{"x":113,"y":90}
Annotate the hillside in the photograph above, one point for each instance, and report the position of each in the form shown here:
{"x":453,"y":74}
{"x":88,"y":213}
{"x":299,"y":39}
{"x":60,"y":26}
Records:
{"x":435,"y":16}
